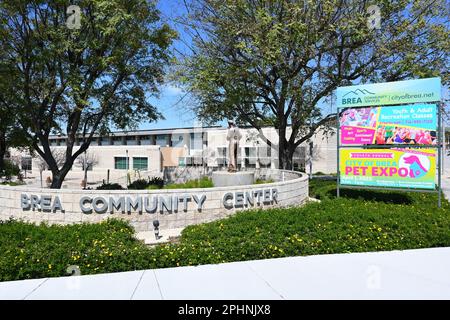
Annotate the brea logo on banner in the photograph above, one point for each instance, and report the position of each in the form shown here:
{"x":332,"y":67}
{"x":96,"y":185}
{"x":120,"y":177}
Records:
{"x":354,"y":96}
{"x":389,"y":93}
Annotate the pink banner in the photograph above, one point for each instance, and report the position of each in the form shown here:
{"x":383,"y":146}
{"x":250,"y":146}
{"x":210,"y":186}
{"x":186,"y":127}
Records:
{"x":369,"y":155}
{"x":355,"y":135}
{"x":416,"y":152}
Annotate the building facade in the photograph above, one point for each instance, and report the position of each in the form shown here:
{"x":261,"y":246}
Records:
{"x":148,"y":152}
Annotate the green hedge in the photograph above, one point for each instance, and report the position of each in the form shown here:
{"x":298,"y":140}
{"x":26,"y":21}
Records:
{"x":203,"y":182}
{"x":30,"y":251}
{"x":10,"y":169}
{"x":360,"y":221}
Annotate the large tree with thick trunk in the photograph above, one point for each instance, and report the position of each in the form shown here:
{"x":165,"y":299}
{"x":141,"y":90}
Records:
{"x":274,"y":62}
{"x":79,"y":79}
{"x":11,"y":134}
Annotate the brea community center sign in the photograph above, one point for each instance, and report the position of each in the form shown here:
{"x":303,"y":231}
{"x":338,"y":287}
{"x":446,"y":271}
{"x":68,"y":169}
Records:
{"x":389,"y":135}
{"x":148,"y":204}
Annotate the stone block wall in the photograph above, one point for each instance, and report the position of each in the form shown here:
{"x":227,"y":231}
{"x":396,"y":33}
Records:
{"x":291,"y":189}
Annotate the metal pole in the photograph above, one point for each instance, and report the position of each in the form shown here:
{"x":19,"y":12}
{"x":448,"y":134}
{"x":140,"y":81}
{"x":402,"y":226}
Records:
{"x":337,"y":148}
{"x":311,"y":147}
{"x":439,"y":137}
{"x":126,"y":175}
{"x":85,"y":170}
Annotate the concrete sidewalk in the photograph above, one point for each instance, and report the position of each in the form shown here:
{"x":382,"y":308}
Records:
{"x":410,"y":274}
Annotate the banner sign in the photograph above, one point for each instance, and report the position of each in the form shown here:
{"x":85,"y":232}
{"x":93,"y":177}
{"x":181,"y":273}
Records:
{"x":390,"y":93}
{"x":408,"y":124}
{"x":396,"y":168}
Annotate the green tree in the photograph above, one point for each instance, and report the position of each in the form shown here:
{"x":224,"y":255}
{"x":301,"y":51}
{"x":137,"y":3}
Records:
{"x":10,"y":133}
{"x":79,"y":81}
{"x":274,"y":62}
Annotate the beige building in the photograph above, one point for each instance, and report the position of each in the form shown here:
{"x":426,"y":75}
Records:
{"x":147,"y":152}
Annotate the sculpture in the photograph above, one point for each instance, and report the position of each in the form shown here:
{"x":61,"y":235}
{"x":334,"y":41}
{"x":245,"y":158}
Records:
{"x":233,"y":137}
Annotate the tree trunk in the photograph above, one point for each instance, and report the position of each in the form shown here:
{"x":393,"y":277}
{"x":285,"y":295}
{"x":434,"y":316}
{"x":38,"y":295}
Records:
{"x":58,"y":176}
{"x":285,"y":152}
{"x":2,"y":150}
{"x":57,"y":180}
{"x":285,"y":156}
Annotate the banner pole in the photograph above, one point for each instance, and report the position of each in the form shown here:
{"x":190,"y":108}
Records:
{"x":337,"y":148}
{"x":439,"y":136}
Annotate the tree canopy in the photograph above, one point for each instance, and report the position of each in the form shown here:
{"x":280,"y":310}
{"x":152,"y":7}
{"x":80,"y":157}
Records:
{"x":79,"y":81}
{"x":273,"y":62}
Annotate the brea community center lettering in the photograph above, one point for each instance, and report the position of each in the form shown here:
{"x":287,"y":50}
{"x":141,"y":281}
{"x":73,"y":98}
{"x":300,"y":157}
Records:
{"x":148,"y":203}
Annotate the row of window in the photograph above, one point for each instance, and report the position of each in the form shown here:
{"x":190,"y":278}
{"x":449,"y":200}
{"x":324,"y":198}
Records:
{"x":139,"y":163}
{"x":175,"y":140}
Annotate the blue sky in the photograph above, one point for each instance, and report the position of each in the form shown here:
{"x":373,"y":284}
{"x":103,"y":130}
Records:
{"x":168,"y":103}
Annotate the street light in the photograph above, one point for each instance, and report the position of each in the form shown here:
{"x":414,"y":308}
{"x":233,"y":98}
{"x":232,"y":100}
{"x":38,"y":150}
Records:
{"x":156,"y":228}
{"x":126,"y":175}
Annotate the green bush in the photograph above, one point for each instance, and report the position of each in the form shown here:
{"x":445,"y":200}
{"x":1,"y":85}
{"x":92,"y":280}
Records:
{"x":110,"y":186}
{"x":13,"y":183}
{"x":140,"y":184}
{"x":203,"y":182}
{"x":262,"y":181}
{"x":151,"y":183}
{"x":31,"y":251}
{"x":10,"y":169}
{"x":156,"y":182}
{"x":359,"y":221}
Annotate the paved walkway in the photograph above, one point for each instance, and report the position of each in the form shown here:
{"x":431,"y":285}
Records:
{"x":410,"y":274}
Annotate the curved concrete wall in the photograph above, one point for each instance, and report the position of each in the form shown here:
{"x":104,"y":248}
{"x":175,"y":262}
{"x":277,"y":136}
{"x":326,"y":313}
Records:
{"x":173,"y":208}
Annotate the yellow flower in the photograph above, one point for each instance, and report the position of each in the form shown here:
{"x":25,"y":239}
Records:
{"x":49,"y":266}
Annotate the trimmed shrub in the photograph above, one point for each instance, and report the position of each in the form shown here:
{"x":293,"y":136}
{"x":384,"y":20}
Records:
{"x":203,"y":182}
{"x":110,"y":186}
{"x":10,"y":169}
{"x":262,"y":181}
{"x":156,"y":181}
{"x":140,"y":184}
{"x":151,"y":183}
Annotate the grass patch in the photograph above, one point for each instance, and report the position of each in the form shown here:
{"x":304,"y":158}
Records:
{"x":13,"y":183}
{"x":203,"y":182}
{"x":360,"y":221}
{"x":262,"y":181}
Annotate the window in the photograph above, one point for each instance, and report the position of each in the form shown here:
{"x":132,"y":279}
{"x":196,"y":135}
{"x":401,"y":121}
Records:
{"x":145,"y":140}
{"x":120,"y":163}
{"x":177,"y":140}
{"x":118,"y":141}
{"x":105,"y":141}
{"x":140,"y":163}
{"x":196,"y":142}
{"x":161,"y":140}
{"x":26,"y":164}
{"x":250,"y":157}
{"x":264,"y":156}
{"x":131,"y":140}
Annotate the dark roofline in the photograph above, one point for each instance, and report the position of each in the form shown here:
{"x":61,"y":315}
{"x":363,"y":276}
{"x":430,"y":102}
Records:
{"x":150,"y":131}
{"x":156,"y":131}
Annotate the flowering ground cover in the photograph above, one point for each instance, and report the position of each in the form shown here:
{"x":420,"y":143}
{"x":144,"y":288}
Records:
{"x":361,"y":220}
